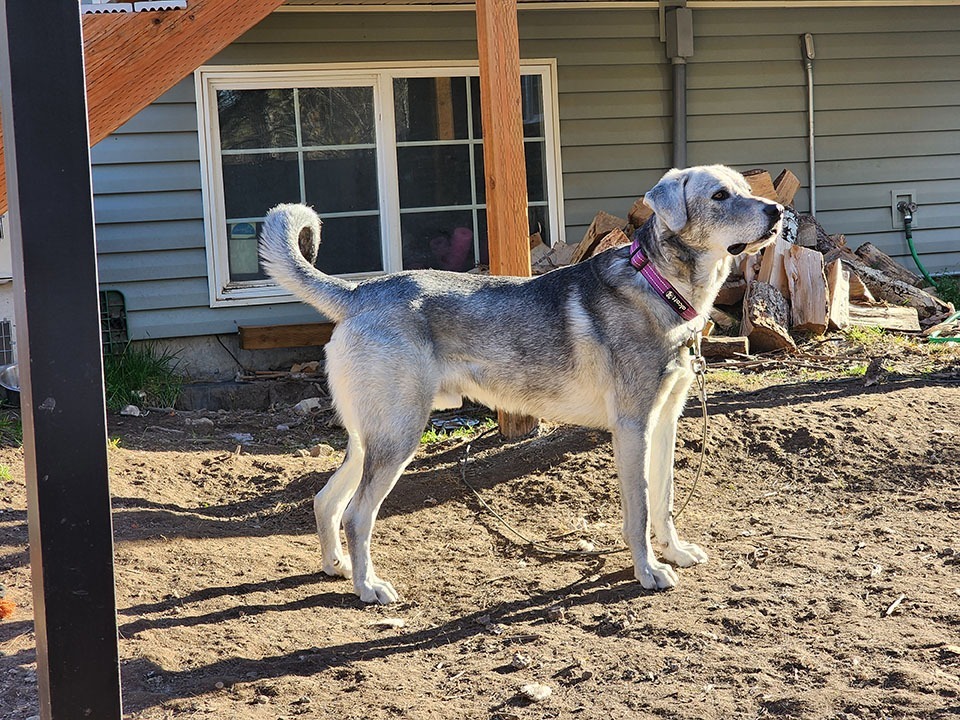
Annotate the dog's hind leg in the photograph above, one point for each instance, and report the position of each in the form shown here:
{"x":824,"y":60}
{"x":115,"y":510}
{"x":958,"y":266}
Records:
{"x":383,"y":463}
{"x":329,"y":504}
{"x":631,"y":450}
{"x":673,"y":391}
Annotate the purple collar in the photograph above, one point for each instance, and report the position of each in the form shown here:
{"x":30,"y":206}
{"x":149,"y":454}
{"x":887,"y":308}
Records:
{"x":659,"y":283}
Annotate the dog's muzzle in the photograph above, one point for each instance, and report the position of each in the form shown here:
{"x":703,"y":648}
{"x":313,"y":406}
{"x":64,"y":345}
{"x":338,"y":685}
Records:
{"x":775,"y":213}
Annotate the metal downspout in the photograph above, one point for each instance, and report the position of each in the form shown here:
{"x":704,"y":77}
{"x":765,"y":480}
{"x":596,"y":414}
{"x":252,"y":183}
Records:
{"x":676,"y":32}
{"x":679,"y":112}
{"x":807,"y":49}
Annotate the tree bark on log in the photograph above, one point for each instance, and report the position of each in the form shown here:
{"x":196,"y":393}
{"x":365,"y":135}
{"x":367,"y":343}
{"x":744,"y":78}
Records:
{"x":878,"y":260}
{"x":893,"y":291}
{"x":766,"y":318}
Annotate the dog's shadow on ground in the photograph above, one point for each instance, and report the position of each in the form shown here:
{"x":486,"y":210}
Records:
{"x":429,"y":480}
{"x":498,"y":621}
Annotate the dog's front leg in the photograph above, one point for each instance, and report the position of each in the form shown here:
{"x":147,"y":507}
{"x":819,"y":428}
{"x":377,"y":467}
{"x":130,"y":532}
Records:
{"x":674,"y":392}
{"x":631,"y":449}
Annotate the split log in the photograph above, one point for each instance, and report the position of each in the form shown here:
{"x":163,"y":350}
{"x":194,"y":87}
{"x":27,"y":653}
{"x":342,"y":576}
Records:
{"x":731,"y":292}
{"x":893,"y":291}
{"x":724,"y":347}
{"x":859,"y":293}
{"x":879,"y":260}
{"x":772,"y":269}
{"x":602,"y":223}
{"x":562,"y":253}
{"x":808,"y":290}
{"x":614,"y":238}
{"x":825,"y":242}
{"x":723,"y":320}
{"x":639,"y":213}
{"x":766,"y":317}
{"x":786,"y":186}
{"x":838,"y":294}
{"x":790,"y":225}
{"x":538,"y":249}
{"x":887,"y":317}
{"x":761,"y":183}
{"x":807,"y":234}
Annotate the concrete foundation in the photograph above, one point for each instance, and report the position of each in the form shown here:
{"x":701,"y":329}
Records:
{"x":218,"y":358}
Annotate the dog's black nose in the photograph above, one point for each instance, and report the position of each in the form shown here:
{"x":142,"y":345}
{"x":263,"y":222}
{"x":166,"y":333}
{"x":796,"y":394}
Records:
{"x":772,"y":212}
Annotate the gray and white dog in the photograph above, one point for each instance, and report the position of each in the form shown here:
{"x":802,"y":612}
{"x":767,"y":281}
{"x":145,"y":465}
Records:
{"x":592,"y":344}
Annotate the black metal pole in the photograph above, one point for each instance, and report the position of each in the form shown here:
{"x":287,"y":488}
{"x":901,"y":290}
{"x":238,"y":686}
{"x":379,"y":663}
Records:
{"x":43,"y":94}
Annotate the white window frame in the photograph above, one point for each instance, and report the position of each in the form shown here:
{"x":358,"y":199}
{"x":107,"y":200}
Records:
{"x":379,"y":76}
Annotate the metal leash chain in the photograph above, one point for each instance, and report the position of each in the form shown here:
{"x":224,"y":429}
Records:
{"x":699,"y":367}
{"x":538,"y":546}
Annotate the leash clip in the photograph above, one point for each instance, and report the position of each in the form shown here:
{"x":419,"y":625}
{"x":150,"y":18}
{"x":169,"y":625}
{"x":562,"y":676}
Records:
{"x":697,"y":363}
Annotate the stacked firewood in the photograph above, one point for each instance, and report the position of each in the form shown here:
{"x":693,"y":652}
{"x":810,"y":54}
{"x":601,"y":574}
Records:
{"x":807,"y":282}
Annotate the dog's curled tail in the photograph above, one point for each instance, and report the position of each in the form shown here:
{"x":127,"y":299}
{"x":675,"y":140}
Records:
{"x":288,"y":247}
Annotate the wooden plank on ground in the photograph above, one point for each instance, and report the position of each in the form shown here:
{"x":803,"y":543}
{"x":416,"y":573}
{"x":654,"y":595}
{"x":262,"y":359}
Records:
{"x":724,"y":347}
{"x":888,"y":317}
{"x":268,"y":337}
{"x":894,"y":291}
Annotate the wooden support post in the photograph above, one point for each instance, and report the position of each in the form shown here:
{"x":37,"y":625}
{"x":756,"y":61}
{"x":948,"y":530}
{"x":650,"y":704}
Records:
{"x":60,"y":363}
{"x":498,"y":44}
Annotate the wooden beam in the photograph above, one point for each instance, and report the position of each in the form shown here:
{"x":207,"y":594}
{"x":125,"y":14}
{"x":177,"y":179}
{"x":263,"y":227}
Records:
{"x":504,"y":164}
{"x":133,"y":58}
{"x":498,"y":44}
{"x":269,"y":337}
{"x":60,"y":365}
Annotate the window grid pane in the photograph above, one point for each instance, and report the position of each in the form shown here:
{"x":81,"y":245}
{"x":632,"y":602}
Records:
{"x":423,"y":244}
{"x":300,"y":146}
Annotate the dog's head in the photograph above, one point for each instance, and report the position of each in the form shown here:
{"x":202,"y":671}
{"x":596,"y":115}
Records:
{"x":713,"y":209}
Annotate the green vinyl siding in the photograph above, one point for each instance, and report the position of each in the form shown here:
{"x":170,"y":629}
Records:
{"x":888,"y":117}
{"x":887,"y":114}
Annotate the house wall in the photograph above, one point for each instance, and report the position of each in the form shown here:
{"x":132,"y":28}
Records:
{"x":888,"y":117}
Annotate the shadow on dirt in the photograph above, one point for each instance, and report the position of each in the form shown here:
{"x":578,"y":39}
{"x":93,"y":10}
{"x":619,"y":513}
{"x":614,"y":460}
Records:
{"x":288,"y":509}
{"x":494,"y":622}
{"x":726,"y":402}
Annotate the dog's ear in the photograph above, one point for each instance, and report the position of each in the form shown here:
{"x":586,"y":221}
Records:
{"x":668,"y":200}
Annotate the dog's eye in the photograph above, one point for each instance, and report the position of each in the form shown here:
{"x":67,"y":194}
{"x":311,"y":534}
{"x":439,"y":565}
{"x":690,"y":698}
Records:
{"x":720,"y":195}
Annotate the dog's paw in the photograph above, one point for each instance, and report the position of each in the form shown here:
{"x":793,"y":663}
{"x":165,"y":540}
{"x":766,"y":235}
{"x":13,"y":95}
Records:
{"x":376,"y":590}
{"x":656,"y":575}
{"x":684,"y":554}
{"x":338,"y":567}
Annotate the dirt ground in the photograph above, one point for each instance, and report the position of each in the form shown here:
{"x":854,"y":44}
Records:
{"x":824,"y":502}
